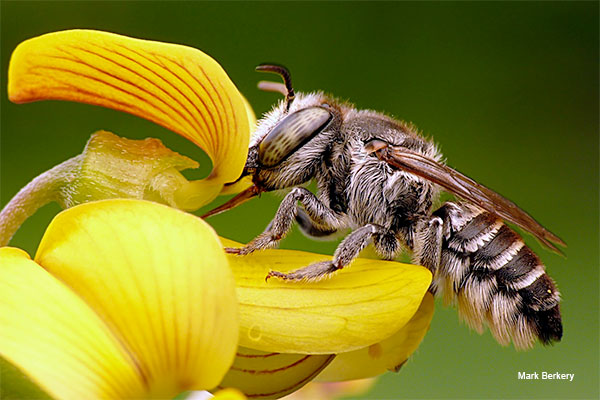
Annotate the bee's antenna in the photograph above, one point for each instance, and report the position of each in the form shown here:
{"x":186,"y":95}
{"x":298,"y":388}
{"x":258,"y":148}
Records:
{"x":287,"y":80}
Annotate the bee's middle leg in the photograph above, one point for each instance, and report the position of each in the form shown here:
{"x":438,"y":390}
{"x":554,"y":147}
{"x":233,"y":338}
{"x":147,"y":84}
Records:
{"x":285,"y":216}
{"x":346,"y":252}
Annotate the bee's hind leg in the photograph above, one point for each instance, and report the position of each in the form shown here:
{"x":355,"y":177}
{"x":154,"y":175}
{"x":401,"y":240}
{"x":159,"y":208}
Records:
{"x":346,"y":252}
{"x":320,"y":215}
{"x":427,"y":249}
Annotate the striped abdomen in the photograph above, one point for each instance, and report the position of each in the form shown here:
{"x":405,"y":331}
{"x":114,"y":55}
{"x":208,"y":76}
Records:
{"x":495,"y":279}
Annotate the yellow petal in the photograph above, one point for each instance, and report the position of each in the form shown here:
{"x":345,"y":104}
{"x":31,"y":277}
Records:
{"x":261,"y":375}
{"x":359,"y":306}
{"x":246,"y":182}
{"x":195,"y":194}
{"x":238,"y":186}
{"x":251,"y":117}
{"x":160,"y":280}
{"x":52,"y":335}
{"x":175,"y":86}
{"x":229,"y":394}
{"x":333,"y":390}
{"x":389,"y":354}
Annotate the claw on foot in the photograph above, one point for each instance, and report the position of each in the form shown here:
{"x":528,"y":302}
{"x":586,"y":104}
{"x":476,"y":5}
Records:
{"x":233,"y":250}
{"x":276,"y":274}
{"x":312,"y":273}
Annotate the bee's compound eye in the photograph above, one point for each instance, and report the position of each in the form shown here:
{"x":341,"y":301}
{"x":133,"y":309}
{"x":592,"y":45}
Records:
{"x":291,"y":133}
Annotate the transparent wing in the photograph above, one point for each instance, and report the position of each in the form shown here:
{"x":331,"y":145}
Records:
{"x":464,"y":187}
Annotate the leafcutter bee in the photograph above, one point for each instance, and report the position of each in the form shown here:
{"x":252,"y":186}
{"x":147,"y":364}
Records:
{"x":380,"y":177}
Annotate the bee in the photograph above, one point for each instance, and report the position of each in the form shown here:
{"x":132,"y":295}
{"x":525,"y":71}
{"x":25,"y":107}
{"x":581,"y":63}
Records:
{"x":379,"y":177}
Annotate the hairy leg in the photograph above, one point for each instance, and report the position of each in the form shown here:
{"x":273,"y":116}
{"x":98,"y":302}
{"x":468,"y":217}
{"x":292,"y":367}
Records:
{"x":287,"y":212}
{"x":312,"y":229}
{"x":427,"y":249}
{"x":346,"y":252}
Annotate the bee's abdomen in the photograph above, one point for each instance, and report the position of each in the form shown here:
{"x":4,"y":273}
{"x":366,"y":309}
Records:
{"x":495,"y":279}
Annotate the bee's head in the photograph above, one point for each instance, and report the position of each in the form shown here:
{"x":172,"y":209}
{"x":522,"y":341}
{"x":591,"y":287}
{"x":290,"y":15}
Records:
{"x":289,"y":125}
{"x":283,"y":131}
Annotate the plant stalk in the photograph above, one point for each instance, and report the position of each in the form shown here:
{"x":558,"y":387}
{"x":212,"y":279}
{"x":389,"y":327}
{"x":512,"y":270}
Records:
{"x":42,"y":190}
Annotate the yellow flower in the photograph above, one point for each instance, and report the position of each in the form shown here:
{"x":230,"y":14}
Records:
{"x":139,"y":299}
{"x":333,"y":390}
{"x":124,"y":299}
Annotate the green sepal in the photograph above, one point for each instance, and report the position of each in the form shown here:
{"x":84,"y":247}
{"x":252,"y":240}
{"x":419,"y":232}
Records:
{"x":110,"y":167}
{"x":115,"y":167}
{"x":15,"y":384}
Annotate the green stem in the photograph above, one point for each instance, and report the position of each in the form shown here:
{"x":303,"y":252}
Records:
{"x":40,"y":191}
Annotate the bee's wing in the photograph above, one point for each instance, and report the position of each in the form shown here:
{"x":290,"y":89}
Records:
{"x":468,"y":189}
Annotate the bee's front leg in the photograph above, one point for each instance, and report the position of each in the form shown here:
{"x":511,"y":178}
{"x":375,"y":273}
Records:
{"x":282,"y":222}
{"x":346,"y":252}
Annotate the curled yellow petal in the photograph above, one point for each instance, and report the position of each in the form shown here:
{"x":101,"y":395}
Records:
{"x":389,"y":354}
{"x":251,"y":116}
{"x":160,"y":280}
{"x":361,"y":305}
{"x":261,"y":375}
{"x":175,"y":86}
{"x":238,"y":186}
{"x":246,"y":182}
{"x":57,"y":339}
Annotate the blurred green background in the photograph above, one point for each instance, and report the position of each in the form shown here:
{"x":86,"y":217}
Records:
{"x":508,"y":90}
